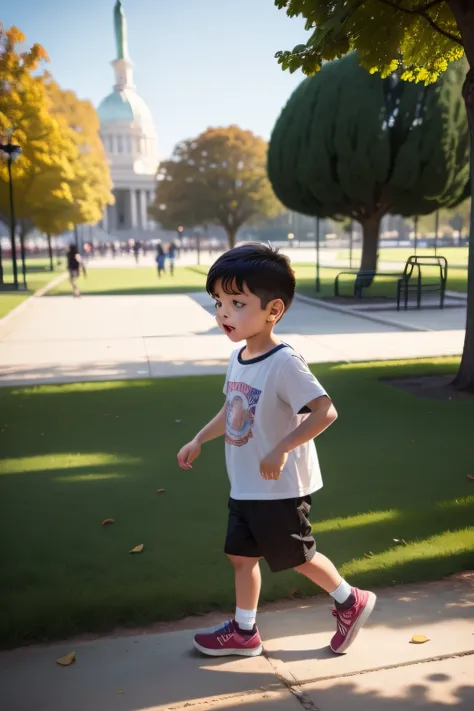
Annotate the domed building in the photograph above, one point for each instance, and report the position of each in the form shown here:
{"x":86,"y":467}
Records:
{"x":129,"y":137}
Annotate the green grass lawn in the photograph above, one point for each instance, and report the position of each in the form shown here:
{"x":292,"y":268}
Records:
{"x":140,"y":280}
{"x":456,"y":256}
{"x":35,"y":280}
{"x":394,"y":466}
{"x":144,"y":280}
{"x":383,"y":286}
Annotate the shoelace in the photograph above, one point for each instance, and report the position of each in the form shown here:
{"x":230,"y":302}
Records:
{"x":226,"y":627}
{"x":341,"y":621}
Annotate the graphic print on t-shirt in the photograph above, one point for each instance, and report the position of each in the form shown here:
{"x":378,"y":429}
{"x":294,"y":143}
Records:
{"x":242,"y":402}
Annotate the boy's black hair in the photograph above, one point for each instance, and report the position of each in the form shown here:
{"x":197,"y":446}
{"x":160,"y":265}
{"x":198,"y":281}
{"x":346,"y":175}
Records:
{"x":264,"y":271}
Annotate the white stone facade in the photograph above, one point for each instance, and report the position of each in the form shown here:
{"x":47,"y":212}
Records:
{"x":128,"y":133}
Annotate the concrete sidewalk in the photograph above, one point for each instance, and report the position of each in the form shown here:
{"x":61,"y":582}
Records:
{"x":61,"y":339}
{"x":383,"y":671}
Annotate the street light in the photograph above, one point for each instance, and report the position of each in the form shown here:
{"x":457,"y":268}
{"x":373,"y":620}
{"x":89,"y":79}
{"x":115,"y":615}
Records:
{"x":12,"y":152}
{"x":318,"y":280}
{"x":291,"y":237}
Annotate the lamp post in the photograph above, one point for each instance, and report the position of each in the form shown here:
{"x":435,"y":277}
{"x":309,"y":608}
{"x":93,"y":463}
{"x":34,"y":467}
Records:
{"x":415,"y":225}
{"x":351,"y":240}
{"x":436,"y":232}
{"x":291,"y":237}
{"x":318,"y":281}
{"x":12,"y":152}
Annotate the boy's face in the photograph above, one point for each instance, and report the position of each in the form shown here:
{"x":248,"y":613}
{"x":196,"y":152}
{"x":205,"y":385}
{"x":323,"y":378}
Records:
{"x":241,"y":316}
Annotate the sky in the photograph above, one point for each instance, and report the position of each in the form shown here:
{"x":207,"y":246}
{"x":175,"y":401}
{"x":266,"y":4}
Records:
{"x":197,"y":63}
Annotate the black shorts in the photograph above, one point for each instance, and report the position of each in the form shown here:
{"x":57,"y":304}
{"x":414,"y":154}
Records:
{"x":277,"y":530}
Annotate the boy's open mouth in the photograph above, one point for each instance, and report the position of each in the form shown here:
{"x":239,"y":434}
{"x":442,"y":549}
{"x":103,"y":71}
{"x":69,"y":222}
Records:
{"x":228,"y":329}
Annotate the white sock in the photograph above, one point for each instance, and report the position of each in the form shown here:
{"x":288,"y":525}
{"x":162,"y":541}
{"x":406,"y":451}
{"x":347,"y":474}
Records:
{"x":342,"y":592}
{"x":245,"y":618}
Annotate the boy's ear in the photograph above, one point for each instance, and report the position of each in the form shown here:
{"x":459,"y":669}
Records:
{"x":277,"y":309}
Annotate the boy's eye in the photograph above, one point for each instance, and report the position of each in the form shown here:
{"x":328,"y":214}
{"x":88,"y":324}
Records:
{"x":217,"y":304}
{"x":238,"y":304}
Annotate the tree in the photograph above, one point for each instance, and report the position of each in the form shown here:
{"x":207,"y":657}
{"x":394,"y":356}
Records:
{"x":421,"y":35}
{"x":217,"y":178}
{"x":90,"y":183}
{"x":351,"y":144}
{"x":62,"y":177}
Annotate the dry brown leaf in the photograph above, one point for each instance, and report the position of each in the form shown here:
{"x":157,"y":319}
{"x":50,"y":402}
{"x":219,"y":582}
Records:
{"x":137,"y":549}
{"x":108,"y":521}
{"x":120,"y":692}
{"x":419,"y":639}
{"x":160,"y":491}
{"x":67,"y":659}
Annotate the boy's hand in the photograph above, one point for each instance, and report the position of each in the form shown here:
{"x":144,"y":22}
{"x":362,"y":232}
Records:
{"x":271,"y":467}
{"x":188,"y":454}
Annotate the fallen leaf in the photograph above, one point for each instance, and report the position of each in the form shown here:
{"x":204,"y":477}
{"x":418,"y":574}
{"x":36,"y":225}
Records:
{"x":396,"y":540}
{"x":108,"y":521}
{"x":137,"y":549}
{"x":369,"y":554}
{"x":67,"y":659}
{"x":160,"y":491}
{"x":469,"y":476}
{"x":120,"y":692}
{"x":419,"y":639}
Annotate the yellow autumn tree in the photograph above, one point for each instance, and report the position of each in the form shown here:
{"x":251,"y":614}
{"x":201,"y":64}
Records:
{"x":90,"y":185}
{"x":62,"y":177}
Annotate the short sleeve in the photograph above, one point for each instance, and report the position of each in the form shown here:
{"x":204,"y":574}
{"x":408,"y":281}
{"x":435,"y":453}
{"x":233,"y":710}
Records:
{"x":297,"y":385}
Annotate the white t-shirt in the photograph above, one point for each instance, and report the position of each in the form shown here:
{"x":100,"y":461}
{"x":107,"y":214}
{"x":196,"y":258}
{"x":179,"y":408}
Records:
{"x":265,"y":396}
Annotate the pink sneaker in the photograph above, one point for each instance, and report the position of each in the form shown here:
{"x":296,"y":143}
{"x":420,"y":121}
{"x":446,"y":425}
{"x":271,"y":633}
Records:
{"x":351,"y":621}
{"x":226,"y":640}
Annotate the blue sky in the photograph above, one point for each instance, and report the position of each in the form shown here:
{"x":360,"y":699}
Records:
{"x":197,"y":62}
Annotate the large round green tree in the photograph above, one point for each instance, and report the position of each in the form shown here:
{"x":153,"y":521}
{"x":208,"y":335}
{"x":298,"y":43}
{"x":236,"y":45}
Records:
{"x":349,"y":143}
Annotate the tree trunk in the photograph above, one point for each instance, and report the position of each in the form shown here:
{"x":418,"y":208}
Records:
{"x":231,"y":236}
{"x":50,"y":252}
{"x":370,"y":243}
{"x":464,"y":380}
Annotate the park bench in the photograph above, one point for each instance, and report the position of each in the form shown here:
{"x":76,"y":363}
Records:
{"x":410,"y":281}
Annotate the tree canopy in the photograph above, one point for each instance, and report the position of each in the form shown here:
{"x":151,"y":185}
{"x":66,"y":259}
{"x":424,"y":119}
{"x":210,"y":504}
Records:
{"x":424,"y":35}
{"x":62,"y":177}
{"x":421,"y":36}
{"x":218,"y":178}
{"x":351,"y":144}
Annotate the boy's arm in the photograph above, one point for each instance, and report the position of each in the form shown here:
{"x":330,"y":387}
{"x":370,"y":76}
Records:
{"x":214,"y":428}
{"x":192,"y":450}
{"x":323,"y":413}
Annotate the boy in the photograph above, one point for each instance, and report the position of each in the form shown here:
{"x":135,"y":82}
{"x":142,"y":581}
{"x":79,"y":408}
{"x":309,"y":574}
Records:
{"x":274,"y":409}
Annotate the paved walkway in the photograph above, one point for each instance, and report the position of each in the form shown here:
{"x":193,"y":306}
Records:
{"x":61,"y":339}
{"x":160,"y":671}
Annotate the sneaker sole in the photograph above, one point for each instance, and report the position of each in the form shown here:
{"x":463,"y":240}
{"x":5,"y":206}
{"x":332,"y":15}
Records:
{"x":228,"y":652}
{"x":368,"y":609}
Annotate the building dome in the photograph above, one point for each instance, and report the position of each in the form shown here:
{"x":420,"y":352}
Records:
{"x":124,"y":105}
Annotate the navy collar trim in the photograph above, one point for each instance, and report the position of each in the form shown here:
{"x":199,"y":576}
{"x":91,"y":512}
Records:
{"x":261,"y":357}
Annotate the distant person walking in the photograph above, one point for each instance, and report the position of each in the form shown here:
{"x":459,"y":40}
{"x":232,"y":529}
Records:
{"x":172,"y":254}
{"x":136,"y":250}
{"x":74,"y":266}
{"x":160,"y":259}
